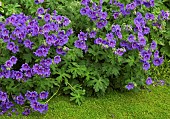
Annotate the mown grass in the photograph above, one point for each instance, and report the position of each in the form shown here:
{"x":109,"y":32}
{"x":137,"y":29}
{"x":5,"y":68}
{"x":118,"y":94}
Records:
{"x":129,"y":105}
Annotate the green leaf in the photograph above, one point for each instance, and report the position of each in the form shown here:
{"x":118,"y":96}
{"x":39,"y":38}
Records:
{"x":99,"y":84}
{"x":77,"y":96}
{"x":27,"y":57}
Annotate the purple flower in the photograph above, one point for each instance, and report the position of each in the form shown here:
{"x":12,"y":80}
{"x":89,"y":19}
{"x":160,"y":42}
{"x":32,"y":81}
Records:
{"x":47,"y":17}
{"x":28,"y":44}
{"x":2,"y":25}
{"x":6,"y":39}
{"x":66,"y":21}
{"x":149,"y":81}
{"x":5,"y":32}
{"x":131,"y":38}
{"x":116,"y":28}
{"x":58,"y":18}
{"x":91,"y":14}
{"x":132,"y":5}
{"x":142,"y":41}
{"x":3,"y":96}
{"x":42,"y":51}
{"x":43,"y":62}
{"x":146,"y":65}
{"x":38,"y":1}
{"x":1,"y":75}
{"x":120,"y":51}
{"x":10,"y":45}
{"x":46,"y":28}
{"x":149,"y":16}
{"x":39,"y":52}
{"x":49,"y":40}
{"x":48,"y":61}
{"x":43,"y":95}
{"x":19,"y":99}
{"x":8,"y":64}
{"x":158,"y":25}
{"x":25,"y":67}
{"x":130,"y":86}
{"x":7,"y":74}
{"x":146,"y":30}
{"x":13,"y":37}
{"x":116,"y":15}
{"x":138,"y":2}
{"x":40,"y":70}
{"x":26,"y":112}
{"x":17,"y":31}
{"x":28,"y":94}
{"x":100,"y":25}
{"x":28,"y":73}
{"x":157,"y":61}
{"x":61,"y":33}
{"x":3,"y":68}
{"x":119,"y":35}
{"x":80,"y":44}
{"x":69,"y":32}
{"x":98,"y":41}
{"x":12,"y":74}
{"x":165,"y":15}
{"x":109,"y":36}
{"x":40,"y":10}
{"x":59,"y":51}
{"x":85,"y":2}
{"x":31,"y":96}
{"x":112,"y":43}
{"x":18,"y":75}
{"x":57,"y":59}
{"x":47,"y":71}
{"x":146,"y":57}
{"x":156,"y":54}
{"x":54,"y":26}
{"x":92,"y":34}
{"x":152,"y":3}
{"x":103,"y":15}
{"x":34,"y":105}
{"x":83,"y":11}
{"x":13,"y":59}
{"x":104,"y":42}
{"x":123,"y":43}
{"x":82,"y":36}
{"x":147,"y":4}
{"x":15,"y":49}
{"x":42,"y":107}
{"x":153,"y":45}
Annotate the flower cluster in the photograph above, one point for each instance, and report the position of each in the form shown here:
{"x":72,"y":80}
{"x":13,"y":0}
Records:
{"x":20,"y":32}
{"x":25,"y":28}
{"x":95,"y":13}
{"x":43,"y":40}
{"x":33,"y":96}
{"x":137,"y":39}
{"x":81,"y":42}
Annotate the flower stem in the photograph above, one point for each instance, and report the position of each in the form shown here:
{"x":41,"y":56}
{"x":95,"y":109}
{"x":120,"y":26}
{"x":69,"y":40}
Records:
{"x":53,"y":95}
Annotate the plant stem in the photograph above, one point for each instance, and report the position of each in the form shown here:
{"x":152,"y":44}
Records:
{"x":53,"y":95}
{"x":71,"y":86}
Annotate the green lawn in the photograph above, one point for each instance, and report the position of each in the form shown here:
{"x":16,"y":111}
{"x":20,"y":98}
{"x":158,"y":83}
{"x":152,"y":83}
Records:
{"x":129,"y":105}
